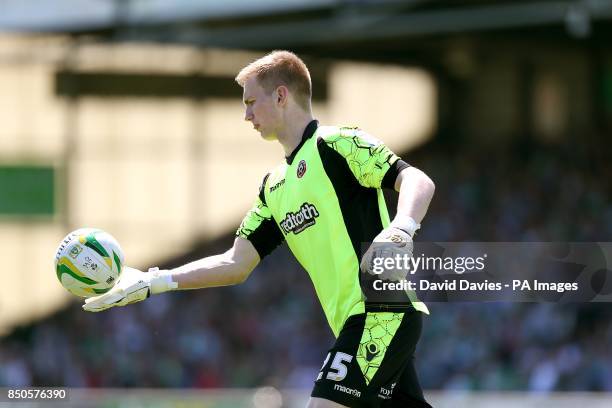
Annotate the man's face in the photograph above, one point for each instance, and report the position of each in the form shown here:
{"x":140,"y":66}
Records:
{"x":261,"y":109}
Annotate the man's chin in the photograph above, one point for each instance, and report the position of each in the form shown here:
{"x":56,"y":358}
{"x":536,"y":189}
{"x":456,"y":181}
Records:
{"x":268,"y":136}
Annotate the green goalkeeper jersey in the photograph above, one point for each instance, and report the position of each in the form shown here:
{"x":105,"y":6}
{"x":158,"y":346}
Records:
{"x":326,"y":201}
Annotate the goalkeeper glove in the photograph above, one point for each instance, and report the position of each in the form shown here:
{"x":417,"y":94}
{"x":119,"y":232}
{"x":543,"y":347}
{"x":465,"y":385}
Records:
{"x":392,"y":241}
{"x":133,"y":286}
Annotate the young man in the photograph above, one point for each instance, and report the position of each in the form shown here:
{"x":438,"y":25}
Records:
{"x":325,"y":201}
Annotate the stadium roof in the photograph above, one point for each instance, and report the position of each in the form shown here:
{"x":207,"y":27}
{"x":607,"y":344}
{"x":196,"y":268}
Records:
{"x":86,"y":15}
{"x":369,"y":29}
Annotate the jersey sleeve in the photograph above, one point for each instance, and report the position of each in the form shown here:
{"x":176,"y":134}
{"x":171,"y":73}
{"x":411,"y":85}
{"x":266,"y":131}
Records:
{"x":372,"y":163}
{"x":259,"y":227}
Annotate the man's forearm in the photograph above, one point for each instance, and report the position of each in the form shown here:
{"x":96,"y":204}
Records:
{"x":415,"y":193}
{"x":217,"y":270}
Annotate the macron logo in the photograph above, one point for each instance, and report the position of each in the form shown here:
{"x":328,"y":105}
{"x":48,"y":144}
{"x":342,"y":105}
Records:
{"x":300,"y":220}
{"x":347,"y":390}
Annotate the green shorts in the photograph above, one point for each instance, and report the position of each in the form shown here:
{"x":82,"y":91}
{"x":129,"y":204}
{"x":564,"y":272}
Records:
{"x":372,"y":362}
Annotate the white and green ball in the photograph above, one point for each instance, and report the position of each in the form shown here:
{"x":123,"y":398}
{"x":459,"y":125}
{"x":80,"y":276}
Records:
{"x":88,"y":262}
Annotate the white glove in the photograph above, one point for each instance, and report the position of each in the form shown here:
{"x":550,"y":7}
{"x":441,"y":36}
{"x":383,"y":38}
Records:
{"x":392,"y":241}
{"x":133,"y":286}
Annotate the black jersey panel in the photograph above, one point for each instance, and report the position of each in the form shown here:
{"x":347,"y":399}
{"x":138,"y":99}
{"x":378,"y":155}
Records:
{"x":358,"y":204}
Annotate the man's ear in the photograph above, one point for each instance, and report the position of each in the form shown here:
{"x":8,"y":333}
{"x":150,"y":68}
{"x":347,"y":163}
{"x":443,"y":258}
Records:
{"x":281,"y":95}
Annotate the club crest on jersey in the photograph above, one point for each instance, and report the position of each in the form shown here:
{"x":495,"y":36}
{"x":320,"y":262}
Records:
{"x":298,"y":221}
{"x":301,"y":168}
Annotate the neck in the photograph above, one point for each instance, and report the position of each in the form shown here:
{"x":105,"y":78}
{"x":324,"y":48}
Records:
{"x":291,"y":137}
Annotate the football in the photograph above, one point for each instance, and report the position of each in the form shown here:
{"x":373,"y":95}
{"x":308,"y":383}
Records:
{"x":88,"y":262}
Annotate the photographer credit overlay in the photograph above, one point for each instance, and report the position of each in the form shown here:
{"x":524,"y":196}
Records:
{"x":564,"y":272}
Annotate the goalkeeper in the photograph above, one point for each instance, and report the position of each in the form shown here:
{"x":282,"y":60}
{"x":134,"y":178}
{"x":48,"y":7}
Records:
{"x":325,"y":201}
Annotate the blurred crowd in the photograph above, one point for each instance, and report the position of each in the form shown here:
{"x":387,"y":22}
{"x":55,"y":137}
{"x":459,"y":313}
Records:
{"x":529,"y":194}
{"x":271,"y":329}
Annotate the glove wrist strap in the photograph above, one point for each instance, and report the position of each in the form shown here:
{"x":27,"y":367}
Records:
{"x":161,"y":281}
{"x":405,"y":223}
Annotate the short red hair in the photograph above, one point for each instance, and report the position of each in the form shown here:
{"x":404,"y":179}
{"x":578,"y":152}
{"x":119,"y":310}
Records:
{"x":280,"y":68}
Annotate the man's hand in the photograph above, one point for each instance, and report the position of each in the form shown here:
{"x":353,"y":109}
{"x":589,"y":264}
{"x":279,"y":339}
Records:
{"x":133,"y":286}
{"x":393,"y":241}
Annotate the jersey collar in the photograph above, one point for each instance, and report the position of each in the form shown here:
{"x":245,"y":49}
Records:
{"x":311,"y":128}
